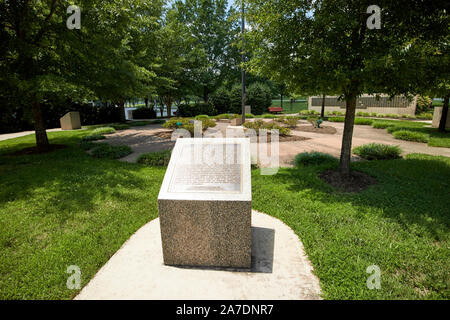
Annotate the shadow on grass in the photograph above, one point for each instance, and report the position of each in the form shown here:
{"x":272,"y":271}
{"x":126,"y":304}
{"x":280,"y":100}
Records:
{"x":69,"y":179}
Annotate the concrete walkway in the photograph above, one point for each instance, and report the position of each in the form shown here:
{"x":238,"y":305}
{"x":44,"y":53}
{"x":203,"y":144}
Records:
{"x":280,"y":270}
{"x":7,"y":136}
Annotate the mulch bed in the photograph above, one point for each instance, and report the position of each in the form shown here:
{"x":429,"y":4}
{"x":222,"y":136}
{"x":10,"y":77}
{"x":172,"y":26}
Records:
{"x":354,"y":182}
{"x":288,"y":138}
{"x":35,"y":150}
{"x":284,"y":138}
{"x":323,"y":129}
{"x":166,"y":135}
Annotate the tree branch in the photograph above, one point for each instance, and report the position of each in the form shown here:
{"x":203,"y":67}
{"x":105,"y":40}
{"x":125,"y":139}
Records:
{"x":42,"y":31}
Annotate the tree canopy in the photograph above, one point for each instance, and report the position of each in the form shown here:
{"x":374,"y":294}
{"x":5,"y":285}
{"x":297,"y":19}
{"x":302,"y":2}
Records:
{"x":327,"y":44}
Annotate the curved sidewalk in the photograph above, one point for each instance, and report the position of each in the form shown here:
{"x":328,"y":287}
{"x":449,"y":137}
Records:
{"x":6,"y":136}
{"x":280,"y":270}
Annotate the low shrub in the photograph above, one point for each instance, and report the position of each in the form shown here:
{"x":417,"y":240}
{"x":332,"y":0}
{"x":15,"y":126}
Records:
{"x":226,"y":116}
{"x":336,"y":119}
{"x":260,"y":124}
{"x":177,"y":123}
{"x":103,"y":130}
{"x":313,"y":158}
{"x":188,"y":110}
{"x":397,"y":127}
{"x":249,"y":115}
{"x":145,"y":123}
{"x":290,"y":121}
{"x":93,"y":137}
{"x":363,"y":114}
{"x":424,"y":104}
{"x":381,"y":124}
{"x":207,"y":123}
{"x":425,"y":116}
{"x":254,"y":124}
{"x":377,"y":151}
{"x":392,"y":115}
{"x":283,"y":131}
{"x":308,"y":112}
{"x":174,"y":123}
{"x":313,"y":121}
{"x":159,"y":158}
{"x":411,"y":136}
{"x":373,"y":114}
{"x":144,"y":113}
{"x":106,"y":151}
{"x":201,"y":116}
{"x":363,"y":121}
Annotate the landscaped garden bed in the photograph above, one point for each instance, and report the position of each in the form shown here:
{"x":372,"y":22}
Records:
{"x":66,"y":207}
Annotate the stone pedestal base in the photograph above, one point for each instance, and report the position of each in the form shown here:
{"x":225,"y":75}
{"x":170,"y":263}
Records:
{"x":70,"y":121}
{"x":205,"y":204}
{"x":437,"y":118}
{"x":206,"y":233}
{"x":236,"y":122}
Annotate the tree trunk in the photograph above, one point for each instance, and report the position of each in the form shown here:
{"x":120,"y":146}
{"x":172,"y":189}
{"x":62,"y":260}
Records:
{"x":205,"y":94}
{"x":346,"y":149}
{"x":168,"y":102}
{"x":161,"y":107}
{"x":444,"y":115}
{"x":122,"y":111}
{"x":322,"y":111}
{"x":146,"y":102}
{"x":39,"y":127}
{"x":281,"y":103}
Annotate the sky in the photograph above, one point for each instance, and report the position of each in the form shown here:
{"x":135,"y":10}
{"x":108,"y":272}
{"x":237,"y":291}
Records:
{"x":230,"y":3}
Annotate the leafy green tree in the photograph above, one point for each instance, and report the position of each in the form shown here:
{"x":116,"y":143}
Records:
{"x":434,"y":66}
{"x":259,"y":97}
{"x":178,"y":59}
{"x":236,"y":99}
{"x":214,"y":29}
{"x":294,"y":37}
{"x":221,"y":100}
{"x":108,"y":57}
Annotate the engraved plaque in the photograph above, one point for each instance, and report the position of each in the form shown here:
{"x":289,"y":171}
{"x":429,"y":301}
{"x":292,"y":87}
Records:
{"x":208,"y":168}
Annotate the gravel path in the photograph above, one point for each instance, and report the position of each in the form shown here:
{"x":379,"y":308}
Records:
{"x":155,"y":138}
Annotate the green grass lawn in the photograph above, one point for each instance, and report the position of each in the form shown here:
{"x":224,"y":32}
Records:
{"x":435,"y":138}
{"x":68,"y":208}
{"x":296,"y":106}
{"x":401,"y":224}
